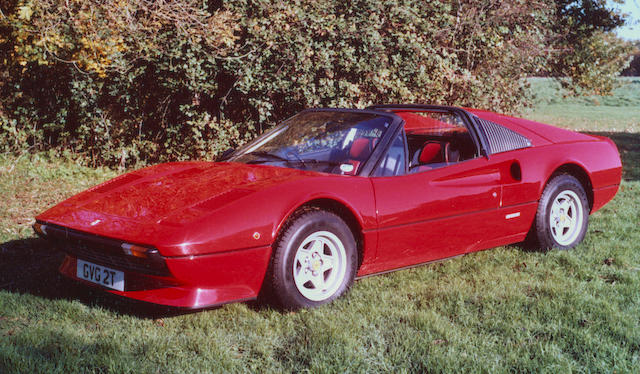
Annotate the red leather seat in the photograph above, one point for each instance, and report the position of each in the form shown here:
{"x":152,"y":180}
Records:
{"x":432,"y":152}
{"x":361,"y":149}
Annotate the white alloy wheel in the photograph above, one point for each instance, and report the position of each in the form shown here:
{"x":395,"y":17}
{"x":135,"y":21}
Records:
{"x":566,"y":217}
{"x":319,"y":266}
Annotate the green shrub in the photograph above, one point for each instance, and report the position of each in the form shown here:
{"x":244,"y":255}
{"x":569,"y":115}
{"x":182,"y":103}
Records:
{"x":124,"y":81}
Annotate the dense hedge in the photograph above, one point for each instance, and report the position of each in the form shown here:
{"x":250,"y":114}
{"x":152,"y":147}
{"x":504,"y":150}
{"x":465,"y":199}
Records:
{"x":122,"y":81}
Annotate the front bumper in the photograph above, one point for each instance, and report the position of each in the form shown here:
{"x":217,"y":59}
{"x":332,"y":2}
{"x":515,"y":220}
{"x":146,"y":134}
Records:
{"x":193,"y":281}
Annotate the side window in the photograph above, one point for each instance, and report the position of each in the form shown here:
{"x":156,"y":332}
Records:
{"x":436,"y":139}
{"x":394,"y":162}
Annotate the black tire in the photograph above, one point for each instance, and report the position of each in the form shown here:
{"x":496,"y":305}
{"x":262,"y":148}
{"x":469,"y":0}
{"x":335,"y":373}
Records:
{"x":564,"y":200}
{"x":300,"y":244}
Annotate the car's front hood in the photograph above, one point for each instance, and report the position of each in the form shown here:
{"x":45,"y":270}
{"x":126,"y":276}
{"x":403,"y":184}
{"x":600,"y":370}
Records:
{"x":172,"y":195}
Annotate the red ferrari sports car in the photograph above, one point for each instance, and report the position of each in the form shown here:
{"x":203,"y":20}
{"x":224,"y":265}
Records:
{"x":330,"y":195}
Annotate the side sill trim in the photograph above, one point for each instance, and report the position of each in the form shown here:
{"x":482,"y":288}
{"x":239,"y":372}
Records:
{"x":410,"y":266}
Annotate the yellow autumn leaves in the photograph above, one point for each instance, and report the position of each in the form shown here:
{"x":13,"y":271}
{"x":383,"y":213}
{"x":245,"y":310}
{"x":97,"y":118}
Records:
{"x":99,"y":36}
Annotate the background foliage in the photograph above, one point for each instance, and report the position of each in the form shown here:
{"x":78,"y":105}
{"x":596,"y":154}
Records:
{"x":634,"y":65}
{"x":117,"y":82}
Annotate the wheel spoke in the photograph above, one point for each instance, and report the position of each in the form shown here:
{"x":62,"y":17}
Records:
{"x":317,"y":246}
{"x":303,"y":276}
{"x":302,"y":257}
{"x":328,"y":262}
{"x":303,"y":253}
{"x":317,"y":281}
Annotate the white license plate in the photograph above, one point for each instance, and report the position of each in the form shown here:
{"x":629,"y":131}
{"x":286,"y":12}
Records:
{"x":101,"y":275}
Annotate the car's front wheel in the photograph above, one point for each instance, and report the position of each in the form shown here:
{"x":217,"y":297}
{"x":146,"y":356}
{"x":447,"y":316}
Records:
{"x":314,"y":260}
{"x":563,"y":213}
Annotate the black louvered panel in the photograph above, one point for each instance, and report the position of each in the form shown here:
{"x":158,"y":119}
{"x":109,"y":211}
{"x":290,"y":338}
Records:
{"x":502,"y":139}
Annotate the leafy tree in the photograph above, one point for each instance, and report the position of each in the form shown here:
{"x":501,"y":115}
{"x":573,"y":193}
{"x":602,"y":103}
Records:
{"x":589,"y":56}
{"x":122,"y":81}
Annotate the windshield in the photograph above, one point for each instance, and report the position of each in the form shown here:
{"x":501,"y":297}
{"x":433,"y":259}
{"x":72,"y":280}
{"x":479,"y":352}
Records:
{"x":327,"y":141}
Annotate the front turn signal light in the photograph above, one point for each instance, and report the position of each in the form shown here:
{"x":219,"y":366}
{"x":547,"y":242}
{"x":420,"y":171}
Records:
{"x":40,"y":229}
{"x":136,"y":250}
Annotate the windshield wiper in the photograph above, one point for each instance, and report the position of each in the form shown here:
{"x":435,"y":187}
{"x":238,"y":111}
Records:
{"x":273,"y":156}
{"x":314,"y":161}
{"x":266,"y":154}
{"x":298,"y":157}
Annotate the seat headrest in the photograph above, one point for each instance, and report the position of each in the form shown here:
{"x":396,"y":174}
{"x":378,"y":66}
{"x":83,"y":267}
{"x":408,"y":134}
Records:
{"x":361,"y":148}
{"x":431,"y":152}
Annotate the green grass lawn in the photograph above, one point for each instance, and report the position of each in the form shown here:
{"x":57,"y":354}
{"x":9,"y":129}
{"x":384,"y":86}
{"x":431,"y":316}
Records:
{"x":502,"y":310}
{"x":619,"y":112}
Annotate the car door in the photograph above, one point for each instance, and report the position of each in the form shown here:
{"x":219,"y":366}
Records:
{"x":429,"y":214}
{"x":436,"y":214}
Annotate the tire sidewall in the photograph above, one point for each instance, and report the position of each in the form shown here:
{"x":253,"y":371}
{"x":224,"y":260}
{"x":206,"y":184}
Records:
{"x":284,"y":285}
{"x":554,"y":188}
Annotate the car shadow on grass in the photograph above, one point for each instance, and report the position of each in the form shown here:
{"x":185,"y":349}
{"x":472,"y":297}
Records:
{"x":30,"y":266}
{"x":629,"y":148}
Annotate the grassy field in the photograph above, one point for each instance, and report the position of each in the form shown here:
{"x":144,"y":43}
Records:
{"x":619,"y":112}
{"x":503,"y":310}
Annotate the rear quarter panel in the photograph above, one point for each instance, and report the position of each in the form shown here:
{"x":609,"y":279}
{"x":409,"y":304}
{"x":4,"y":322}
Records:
{"x":599,"y":158}
{"x":554,"y":147}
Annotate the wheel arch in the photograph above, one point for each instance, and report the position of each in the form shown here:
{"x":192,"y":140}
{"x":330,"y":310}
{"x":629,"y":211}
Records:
{"x":578,"y":172}
{"x":336,"y":207}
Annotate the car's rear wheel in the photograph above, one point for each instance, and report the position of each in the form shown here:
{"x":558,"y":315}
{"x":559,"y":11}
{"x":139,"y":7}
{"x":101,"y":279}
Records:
{"x":314,"y":260}
{"x":563,"y":213}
